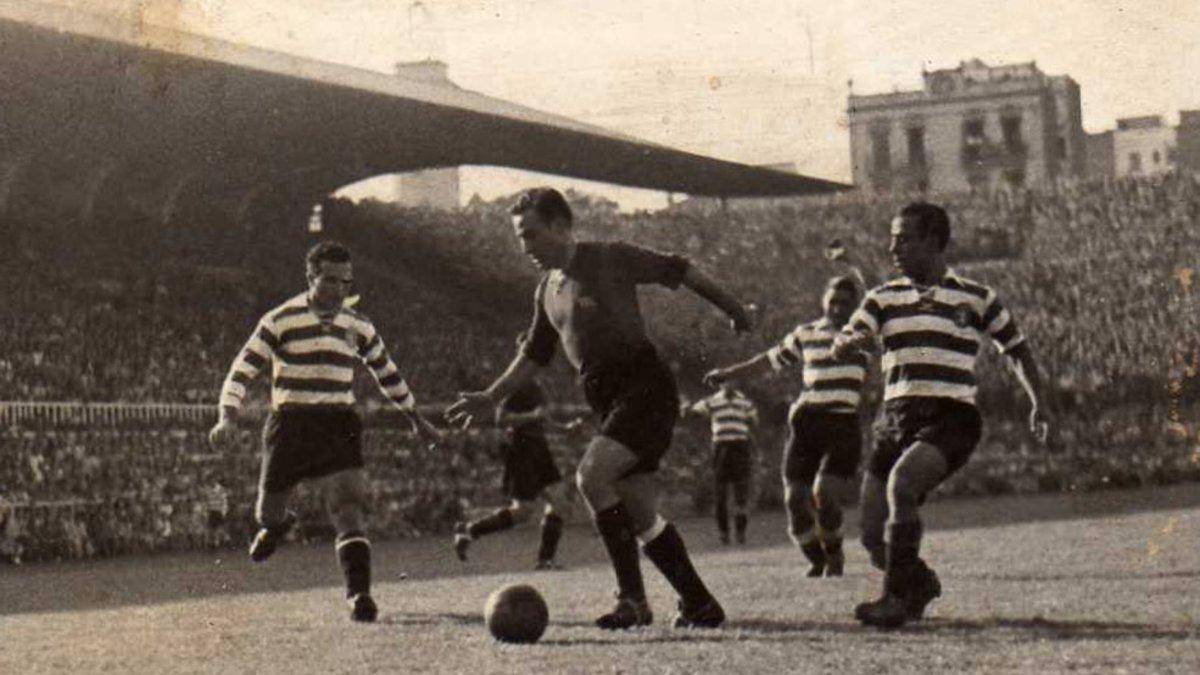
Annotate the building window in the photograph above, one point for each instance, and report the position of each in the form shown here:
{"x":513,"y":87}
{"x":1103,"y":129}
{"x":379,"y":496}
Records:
{"x":1015,"y":177}
{"x":973,"y":139}
{"x":1157,"y":157}
{"x":1010,"y":128}
{"x":1060,"y":147}
{"x":881,"y":150}
{"x":1135,"y":162}
{"x":316,"y":220}
{"x":916,"y":147}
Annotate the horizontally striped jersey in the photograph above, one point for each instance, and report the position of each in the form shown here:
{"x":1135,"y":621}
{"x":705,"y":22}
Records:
{"x":833,"y":385}
{"x":931,"y":335}
{"x":312,"y":362}
{"x":731,"y":415}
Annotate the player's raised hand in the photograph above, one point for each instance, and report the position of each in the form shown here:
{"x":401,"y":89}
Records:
{"x":471,"y":405}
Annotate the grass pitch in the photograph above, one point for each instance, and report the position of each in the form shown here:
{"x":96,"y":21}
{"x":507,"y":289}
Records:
{"x":1104,"y":582}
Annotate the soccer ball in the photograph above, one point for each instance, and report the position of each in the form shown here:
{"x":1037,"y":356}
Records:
{"x":516,"y":613}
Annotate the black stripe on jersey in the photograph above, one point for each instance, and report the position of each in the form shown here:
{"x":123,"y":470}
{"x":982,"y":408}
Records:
{"x":285,"y":312}
{"x":255,"y":359}
{"x":787,"y":357}
{"x":315,"y":331}
{"x":992,"y":312}
{"x":320,"y":358}
{"x":379,"y":362}
{"x":930,"y":372}
{"x":241,"y":378}
{"x":316,"y":384}
{"x":268,"y":338}
{"x":819,"y":342}
{"x":1006,"y":334}
{"x":893,"y":288}
{"x":928,"y":308}
{"x":967,"y":287}
{"x":366,"y":349}
{"x":849,"y":384}
{"x":391,"y":380}
{"x":871,"y":307}
{"x":852,"y":359}
{"x":931,"y":339}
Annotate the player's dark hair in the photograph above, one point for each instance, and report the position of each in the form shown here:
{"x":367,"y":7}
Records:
{"x":326,"y":251}
{"x":547,"y":203}
{"x":842,"y":284}
{"x":931,"y":219}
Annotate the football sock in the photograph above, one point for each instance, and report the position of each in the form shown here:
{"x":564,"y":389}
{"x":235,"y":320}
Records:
{"x":829,"y":527}
{"x":354,"y":555}
{"x":903,"y":548}
{"x":665,"y":548}
{"x":552,"y":528}
{"x":500,"y":519}
{"x":616,"y":530}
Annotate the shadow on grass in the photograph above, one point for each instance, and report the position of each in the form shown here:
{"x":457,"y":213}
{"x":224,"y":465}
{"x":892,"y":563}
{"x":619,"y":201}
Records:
{"x":1054,"y":629}
{"x":1084,"y":576}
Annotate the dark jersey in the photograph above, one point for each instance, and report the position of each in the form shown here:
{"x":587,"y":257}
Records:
{"x":591,"y":306}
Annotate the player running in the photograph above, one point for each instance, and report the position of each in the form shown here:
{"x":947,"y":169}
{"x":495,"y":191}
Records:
{"x":930,"y":322}
{"x":530,"y":474}
{"x":733,"y":416}
{"x":313,"y":431}
{"x":587,"y":301}
{"x":824,"y":441}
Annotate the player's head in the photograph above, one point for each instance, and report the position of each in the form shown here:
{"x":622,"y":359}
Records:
{"x":542,"y":221}
{"x":840,"y":300}
{"x":920,"y":233}
{"x":330,"y":274}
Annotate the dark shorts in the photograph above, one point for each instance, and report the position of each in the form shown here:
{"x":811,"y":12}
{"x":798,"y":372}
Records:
{"x":304,"y":444}
{"x":638,"y":406}
{"x":953,"y":427}
{"x":732,"y":461}
{"x":823,"y":442}
{"x":529,"y":467}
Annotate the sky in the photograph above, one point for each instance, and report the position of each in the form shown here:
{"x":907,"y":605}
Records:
{"x":756,"y":81}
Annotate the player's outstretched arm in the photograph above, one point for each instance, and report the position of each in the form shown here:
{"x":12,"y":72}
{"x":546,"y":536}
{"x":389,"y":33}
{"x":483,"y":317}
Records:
{"x":473,"y":405}
{"x":702,"y":285}
{"x":429,"y":434}
{"x":1026,"y":369}
{"x":752,"y":367}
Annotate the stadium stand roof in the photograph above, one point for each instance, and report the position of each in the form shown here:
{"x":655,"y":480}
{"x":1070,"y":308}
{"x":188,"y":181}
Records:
{"x":158,"y":113}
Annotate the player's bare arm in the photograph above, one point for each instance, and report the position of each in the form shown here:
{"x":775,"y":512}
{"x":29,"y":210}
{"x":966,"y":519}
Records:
{"x":472,"y":405}
{"x":752,"y":367}
{"x":1025,"y":367}
{"x":705,"y":287}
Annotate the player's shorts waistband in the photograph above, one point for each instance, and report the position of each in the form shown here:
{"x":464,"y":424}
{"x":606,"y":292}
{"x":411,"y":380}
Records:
{"x":313,"y":408}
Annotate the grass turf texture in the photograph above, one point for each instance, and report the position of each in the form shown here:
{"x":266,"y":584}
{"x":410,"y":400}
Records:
{"x":1101,"y":582}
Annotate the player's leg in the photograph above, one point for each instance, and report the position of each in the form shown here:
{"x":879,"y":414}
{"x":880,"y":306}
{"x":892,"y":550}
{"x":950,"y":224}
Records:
{"x":275,"y":482}
{"x":665,"y":548}
{"x":603,"y":464}
{"x":741,"y":506}
{"x":553,"y":520}
{"x":873,"y":513}
{"x":347,"y":499}
{"x":919,"y":469}
{"x":721,"y":506}
{"x":801,"y":460}
{"x":501,"y":519}
{"x":830,"y":492}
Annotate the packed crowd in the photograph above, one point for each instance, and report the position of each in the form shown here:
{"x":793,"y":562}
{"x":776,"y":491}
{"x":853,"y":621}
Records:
{"x":1100,"y":275}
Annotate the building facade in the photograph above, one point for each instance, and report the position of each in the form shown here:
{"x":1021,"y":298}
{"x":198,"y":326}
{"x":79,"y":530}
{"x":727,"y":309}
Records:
{"x":1143,"y":146}
{"x":974,"y":127}
{"x":1187,"y":141}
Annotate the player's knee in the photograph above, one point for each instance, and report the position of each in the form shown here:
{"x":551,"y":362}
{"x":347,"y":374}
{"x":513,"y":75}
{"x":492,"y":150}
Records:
{"x":521,"y":511}
{"x":902,"y":492}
